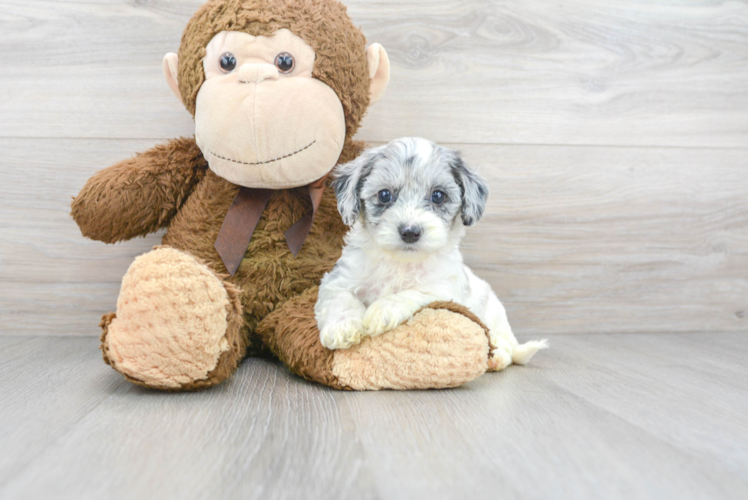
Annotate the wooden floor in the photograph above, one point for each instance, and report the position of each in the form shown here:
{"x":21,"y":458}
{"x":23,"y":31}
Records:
{"x":597,"y":416}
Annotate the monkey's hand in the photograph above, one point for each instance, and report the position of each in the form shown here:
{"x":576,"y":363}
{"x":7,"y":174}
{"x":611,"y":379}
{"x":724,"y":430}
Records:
{"x":140,"y":195}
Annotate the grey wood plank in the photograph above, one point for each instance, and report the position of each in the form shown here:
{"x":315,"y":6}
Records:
{"x":260,"y":435}
{"x":533,"y":440}
{"x":46,"y":387}
{"x":596,"y":416}
{"x":699,"y":402}
{"x":582,"y":240}
{"x":54,"y":280}
{"x":605,"y":413}
{"x":575,"y":239}
{"x":477,"y":71}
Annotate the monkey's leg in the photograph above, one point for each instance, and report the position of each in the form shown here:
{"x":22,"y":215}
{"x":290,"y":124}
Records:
{"x":178,"y":325}
{"x":444,"y":345}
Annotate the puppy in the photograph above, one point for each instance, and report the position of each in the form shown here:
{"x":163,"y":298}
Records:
{"x":408,"y":203}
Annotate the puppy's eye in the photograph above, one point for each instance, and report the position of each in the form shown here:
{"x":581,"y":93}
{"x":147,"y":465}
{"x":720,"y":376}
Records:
{"x":284,"y":62}
{"x":437,"y":197}
{"x":228,"y":62}
{"x":384,"y":196}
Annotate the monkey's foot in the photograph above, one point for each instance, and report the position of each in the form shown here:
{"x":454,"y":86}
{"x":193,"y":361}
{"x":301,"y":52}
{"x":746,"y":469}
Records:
{"x":443,"y":345}
{"x":439,"y":347}
{"x":177,"y":326}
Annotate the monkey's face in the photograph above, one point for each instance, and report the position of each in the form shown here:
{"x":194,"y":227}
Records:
{"x":261,"y":119}
{"x":276,"y":87}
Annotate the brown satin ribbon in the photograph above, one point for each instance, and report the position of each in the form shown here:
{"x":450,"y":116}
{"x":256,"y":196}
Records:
{"x":296,"y":234}
{"x":239,"y":224}
{"x":244,"y":215}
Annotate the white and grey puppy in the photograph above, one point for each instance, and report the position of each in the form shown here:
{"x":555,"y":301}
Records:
{"x":408,"y":202}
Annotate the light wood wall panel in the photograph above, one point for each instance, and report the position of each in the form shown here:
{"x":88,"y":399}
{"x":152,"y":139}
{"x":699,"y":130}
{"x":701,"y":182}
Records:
{"x":614,"y":136}
{"x":575,"y":239}
{"x":474,"y":71}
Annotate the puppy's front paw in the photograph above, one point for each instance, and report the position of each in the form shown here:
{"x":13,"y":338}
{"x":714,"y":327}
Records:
{"x":342,"y":334}
{"x":384,"y":315}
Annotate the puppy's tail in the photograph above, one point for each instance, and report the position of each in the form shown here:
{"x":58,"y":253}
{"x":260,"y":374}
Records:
{"x":524,"y":352}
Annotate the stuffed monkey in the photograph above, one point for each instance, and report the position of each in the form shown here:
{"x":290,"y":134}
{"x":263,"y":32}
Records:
{"x":277,"y":89}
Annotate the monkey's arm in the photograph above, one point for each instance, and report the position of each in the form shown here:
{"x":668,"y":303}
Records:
{"x":140,"y":195}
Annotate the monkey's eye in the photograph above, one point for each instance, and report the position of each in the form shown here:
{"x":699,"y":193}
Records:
{"x":284,"y":62}
{"x":437,"y":197}
{"x":384,"y":196}
{"x":228,"y":62}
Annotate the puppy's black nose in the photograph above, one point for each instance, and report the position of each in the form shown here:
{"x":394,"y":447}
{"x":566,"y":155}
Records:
{"x":410,"y":234}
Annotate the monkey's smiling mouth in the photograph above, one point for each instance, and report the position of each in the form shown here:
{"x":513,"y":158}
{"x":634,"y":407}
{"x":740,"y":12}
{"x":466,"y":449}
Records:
{"x":262,"y":162}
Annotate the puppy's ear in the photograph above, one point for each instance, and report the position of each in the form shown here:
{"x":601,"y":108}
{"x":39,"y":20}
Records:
{"x":347,"y":182}
{"x":474,"y":189}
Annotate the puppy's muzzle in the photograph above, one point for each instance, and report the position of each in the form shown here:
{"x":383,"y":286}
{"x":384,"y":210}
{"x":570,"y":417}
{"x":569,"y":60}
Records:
{"x":410,"y":234}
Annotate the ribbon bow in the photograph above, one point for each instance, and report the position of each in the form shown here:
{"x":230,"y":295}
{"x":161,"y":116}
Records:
{"x":244,"y":215}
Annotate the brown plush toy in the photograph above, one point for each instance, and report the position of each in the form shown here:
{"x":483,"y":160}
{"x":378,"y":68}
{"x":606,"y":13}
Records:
{"x":277,"y":89}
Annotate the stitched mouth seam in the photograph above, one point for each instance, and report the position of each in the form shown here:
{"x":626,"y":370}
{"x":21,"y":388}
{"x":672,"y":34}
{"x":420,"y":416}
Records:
{"x":262,"y":162}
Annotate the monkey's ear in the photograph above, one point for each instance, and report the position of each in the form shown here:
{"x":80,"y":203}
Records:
{"x":379,"y":71}
{"x":170,"y":66}
{"x":348,"y":179}
{"x":474,"y":190}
